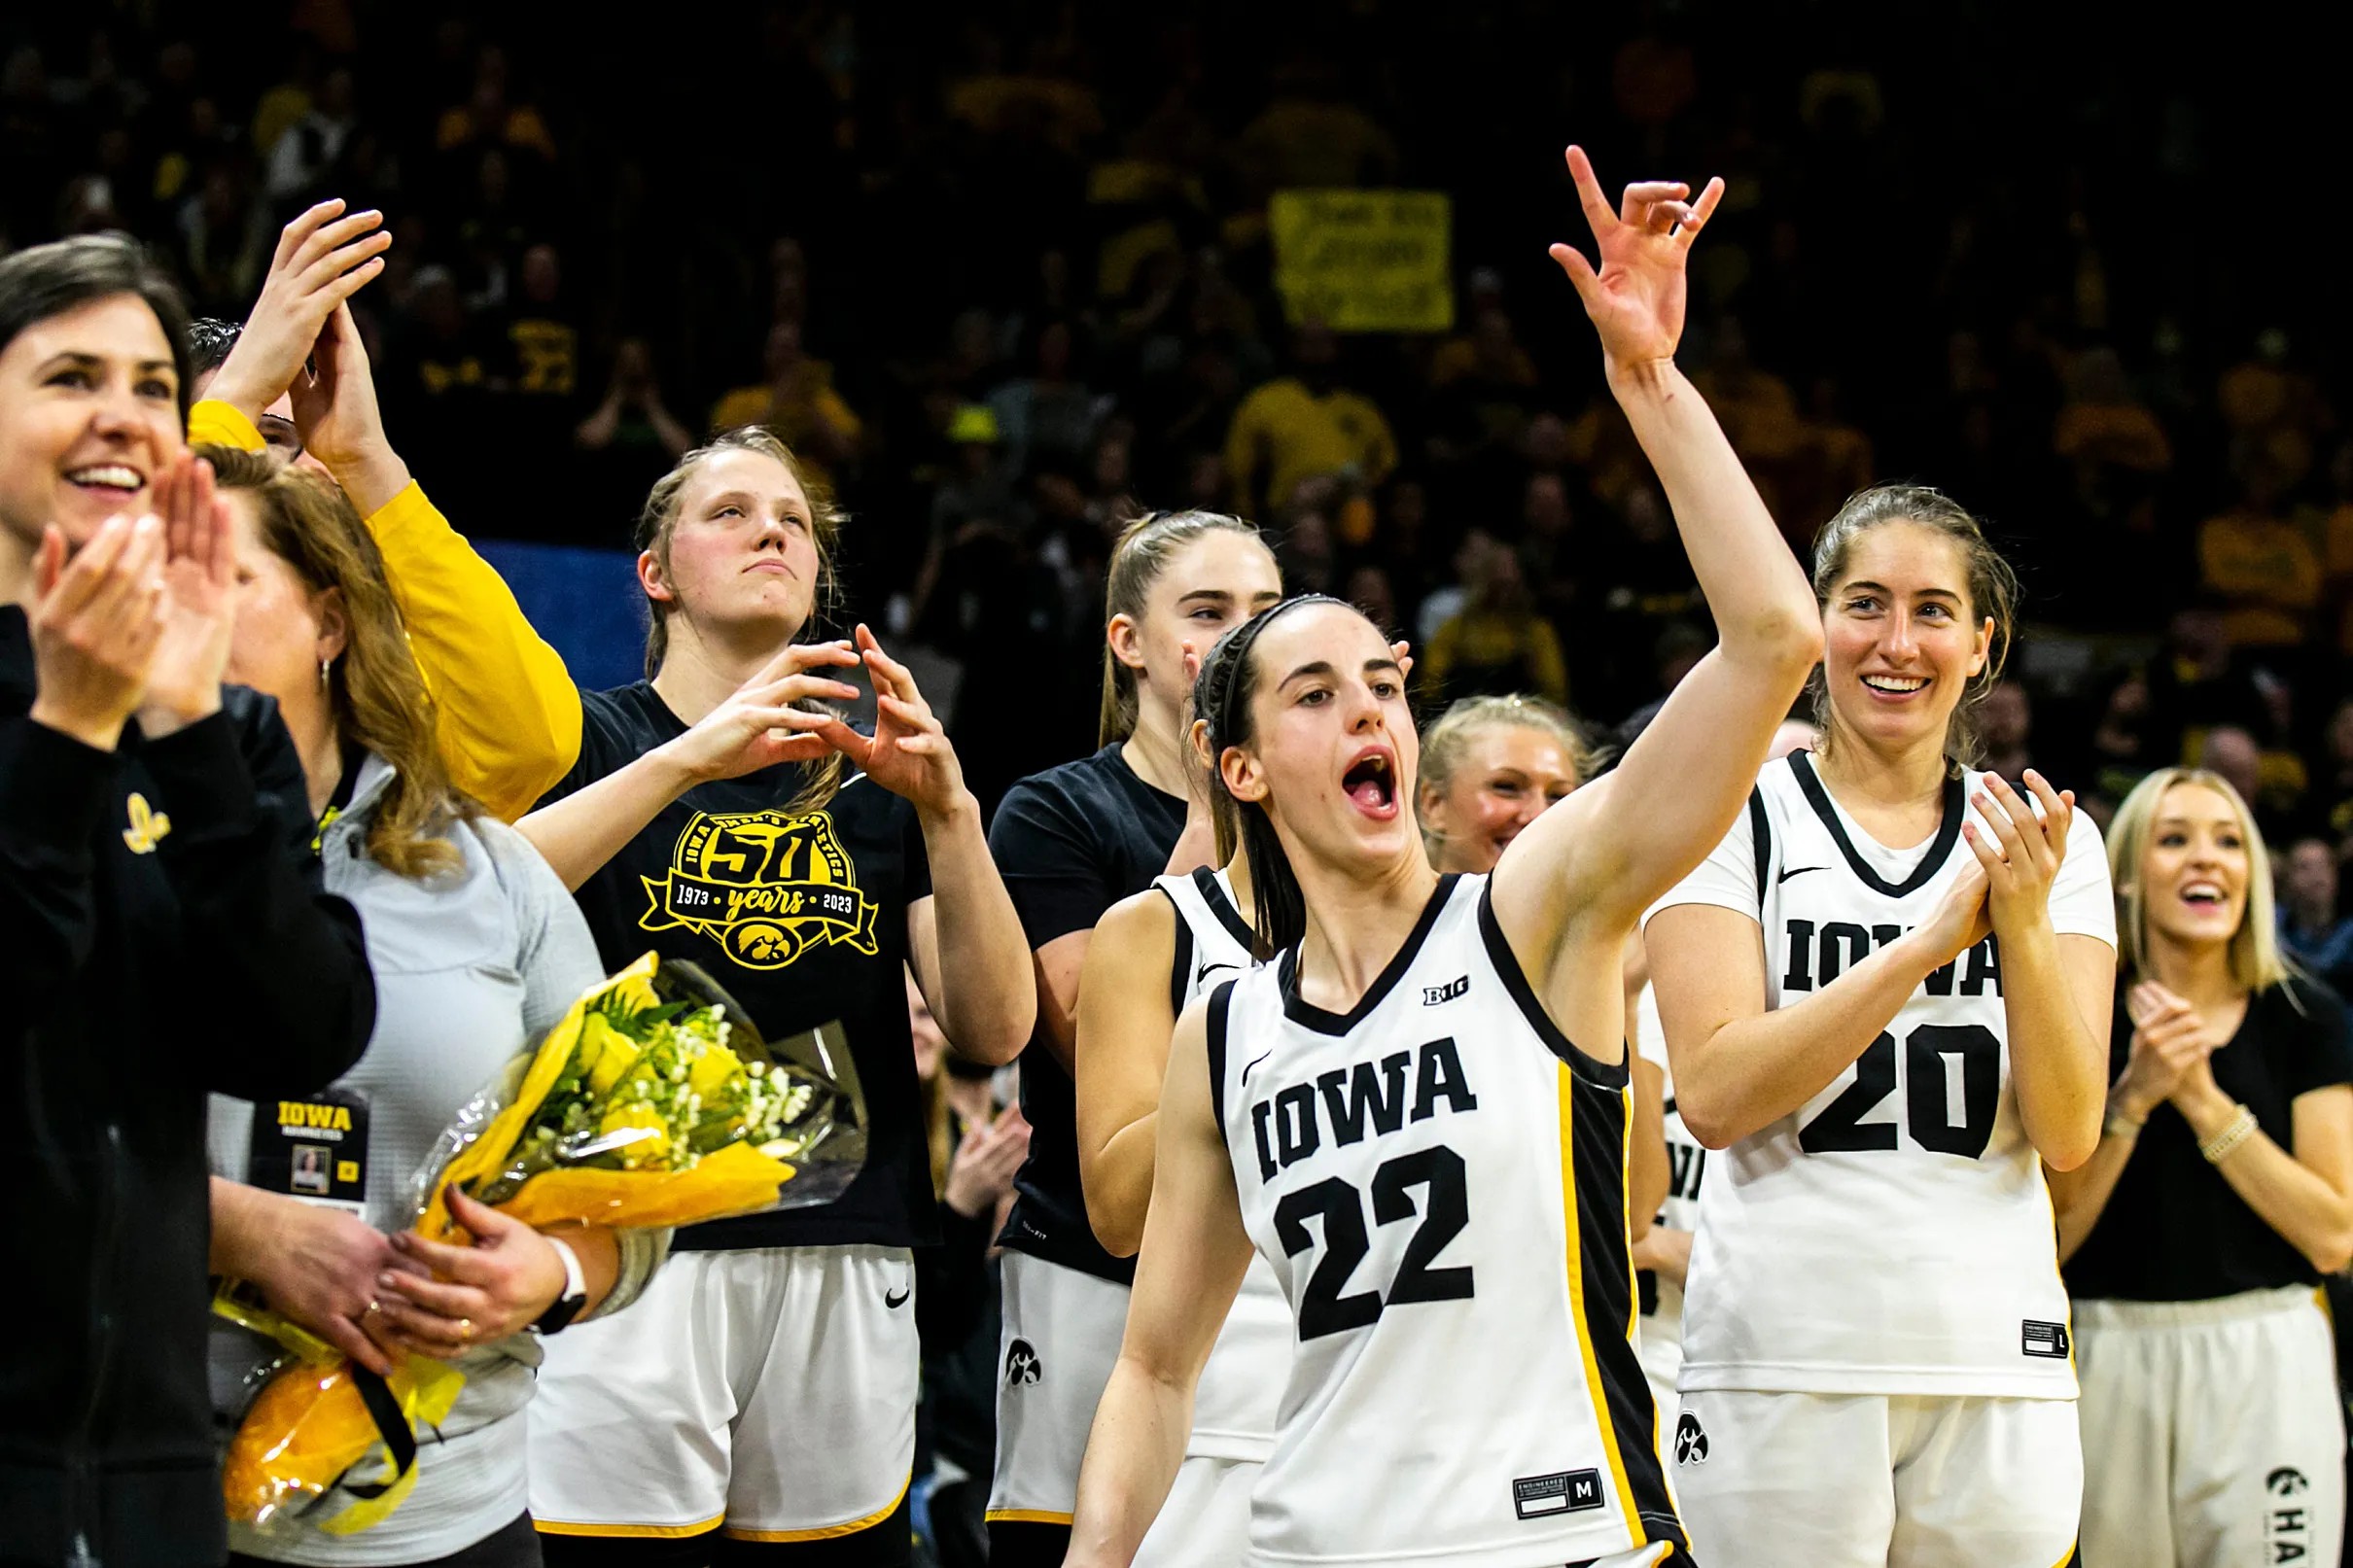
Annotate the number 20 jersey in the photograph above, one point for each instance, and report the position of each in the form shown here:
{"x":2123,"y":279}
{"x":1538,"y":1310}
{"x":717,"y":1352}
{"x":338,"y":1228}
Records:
{"x":1437,"y":1178}
{"x":1894,"y":1236}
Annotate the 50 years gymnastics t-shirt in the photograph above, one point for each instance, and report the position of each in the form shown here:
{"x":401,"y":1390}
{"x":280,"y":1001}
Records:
{"x":802,"y":919}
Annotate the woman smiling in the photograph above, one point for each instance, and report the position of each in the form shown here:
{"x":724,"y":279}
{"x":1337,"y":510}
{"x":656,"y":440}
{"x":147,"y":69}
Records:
{"x":2196,"y":1236}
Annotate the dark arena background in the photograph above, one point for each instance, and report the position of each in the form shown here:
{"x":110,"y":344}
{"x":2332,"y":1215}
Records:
{"x":1005,"y":275}
{"x":2066,"y":265}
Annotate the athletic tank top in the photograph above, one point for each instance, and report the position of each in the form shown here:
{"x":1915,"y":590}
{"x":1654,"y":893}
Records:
{"x":1894,"y":1236}
{"x":1239,"y":1399}
{"x":1686,"y":1165}
{"x":1437,"y":1179}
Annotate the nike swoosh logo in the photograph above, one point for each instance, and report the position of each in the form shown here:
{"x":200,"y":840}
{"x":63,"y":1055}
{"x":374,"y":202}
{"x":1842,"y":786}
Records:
{"x":1253,"y":1066}
{"x":1208,"y":969}
{"x":1797,"y":872}
{"x":895,"y":1299}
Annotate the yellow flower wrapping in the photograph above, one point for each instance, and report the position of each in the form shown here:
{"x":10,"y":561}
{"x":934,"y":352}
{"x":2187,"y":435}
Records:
{"x":310,"y":1426}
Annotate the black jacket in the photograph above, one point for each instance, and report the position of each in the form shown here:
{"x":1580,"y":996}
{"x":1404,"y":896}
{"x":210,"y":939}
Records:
{"x":162,"y":933}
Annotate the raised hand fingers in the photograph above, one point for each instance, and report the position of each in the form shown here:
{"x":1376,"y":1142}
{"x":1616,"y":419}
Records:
{"x":1700,"y":211}
{"x":292,"y":237}
{"x":2000,"y":808}
{"x":1635,"y":206}
{"x":800,"y":656}
{"x":2059,"y":810}
{"x":886,"y":668}
{"x":48,"y":561}
{"x":1581,"y":274}
{"x":1590,"y":195}
{"x":915,"y":715}
{"x":328,"y":239}
{"x":794,"y":688}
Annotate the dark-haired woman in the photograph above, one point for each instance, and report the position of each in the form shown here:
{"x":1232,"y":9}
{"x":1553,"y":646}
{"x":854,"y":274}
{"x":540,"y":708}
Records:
{"x":1892,"y":1016}
{"x":2196,"y":1238}
{"x":477,"y":949}
{"x":160,"y":910}
{"x":1071,"y":842}
{"x":765,"y":1383}
{"x":1417,"y":1114}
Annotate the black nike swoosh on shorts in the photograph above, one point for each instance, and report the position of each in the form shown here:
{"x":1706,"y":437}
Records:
{"x":895,"y":1299}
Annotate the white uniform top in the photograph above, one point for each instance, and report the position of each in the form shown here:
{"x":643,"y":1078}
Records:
{"x":1686,"y":1165}
{"x":1438,"y":1179}
{"x":1894,"y":1235}
{"x":1239,"y":1401}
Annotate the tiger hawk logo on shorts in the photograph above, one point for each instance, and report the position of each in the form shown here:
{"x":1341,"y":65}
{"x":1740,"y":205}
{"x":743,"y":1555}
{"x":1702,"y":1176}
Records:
{"x":766,"y":888}
{"x":1691,"y":1443}
{"x":1022,"y":1365}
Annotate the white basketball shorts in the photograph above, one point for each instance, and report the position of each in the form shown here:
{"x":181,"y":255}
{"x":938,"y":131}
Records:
{"x":2213,"y":1431}
{"x":770,"y":1393}
{"x":1061,"y":1337}
{"x":1862,"y":1481}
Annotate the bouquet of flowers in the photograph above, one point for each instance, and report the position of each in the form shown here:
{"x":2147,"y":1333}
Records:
{"x":652,"y":1101}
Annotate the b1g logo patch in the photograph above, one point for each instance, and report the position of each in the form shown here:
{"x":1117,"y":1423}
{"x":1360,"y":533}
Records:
{"x":766,"y":888}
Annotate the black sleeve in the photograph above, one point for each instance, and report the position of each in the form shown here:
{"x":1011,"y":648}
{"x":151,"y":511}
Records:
{"x":1052,"y":863}
{"x":605,"y":747}
{"x":53,"y":799}
{"x":280,"y":958}
{"x":2327,"y":1055}
{"x":952,"y":1281}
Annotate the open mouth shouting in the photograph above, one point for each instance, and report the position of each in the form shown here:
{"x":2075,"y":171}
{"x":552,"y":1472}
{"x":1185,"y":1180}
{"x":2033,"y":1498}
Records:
{"x":1370,"y":781}
{"x":2204,"y":893}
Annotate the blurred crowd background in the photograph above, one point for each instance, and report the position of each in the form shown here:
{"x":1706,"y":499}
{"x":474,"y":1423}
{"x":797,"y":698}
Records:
{"x":1003,"y":274}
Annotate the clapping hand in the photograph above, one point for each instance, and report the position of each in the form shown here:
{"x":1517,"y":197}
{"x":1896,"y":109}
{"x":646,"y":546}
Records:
{"x":199,"y":603}
{"x":2025,"y":851}
{"x":95,"y":622}
{"x":321,"y":260}
{"x":1636,"y":299}
{"x":2171,"y":1045}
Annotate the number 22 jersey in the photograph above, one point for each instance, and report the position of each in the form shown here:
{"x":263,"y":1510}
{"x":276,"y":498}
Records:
{"x":1894,"y":1236}
{"x":1437,"y":1178}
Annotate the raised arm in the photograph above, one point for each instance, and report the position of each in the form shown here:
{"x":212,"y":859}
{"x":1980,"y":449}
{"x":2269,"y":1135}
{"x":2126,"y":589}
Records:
{"x":1194,"y":1254}
{"x":1125,"y":1018}
{"x":508,"y":716}
{"x":1602,"y":856}
{"x":964,"y":941}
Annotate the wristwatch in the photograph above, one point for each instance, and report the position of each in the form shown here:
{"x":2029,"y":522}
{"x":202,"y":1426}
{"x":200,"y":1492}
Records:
{"x":567,"y":1306}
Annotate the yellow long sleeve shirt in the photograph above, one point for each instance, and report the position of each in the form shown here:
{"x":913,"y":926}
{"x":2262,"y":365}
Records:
{"x":509,"y":714}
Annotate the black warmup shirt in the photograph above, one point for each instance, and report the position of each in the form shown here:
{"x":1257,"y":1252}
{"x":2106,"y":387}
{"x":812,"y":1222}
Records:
{"x":1070,"y":842}
{"x":2174,"y":1231}
{"x":803,"y":919}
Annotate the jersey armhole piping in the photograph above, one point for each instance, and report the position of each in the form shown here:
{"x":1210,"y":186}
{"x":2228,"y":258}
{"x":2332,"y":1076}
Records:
{"x":1760,"y":841}
{"x":1531,"y":1007}
{"x":1181,"y":962}
{"x":1219,"y":1001}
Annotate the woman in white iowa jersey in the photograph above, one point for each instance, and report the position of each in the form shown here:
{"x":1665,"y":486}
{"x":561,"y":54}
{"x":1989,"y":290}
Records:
{"x":1876,"y":1346}
{"x":1157,"y":953}
{"x":1464,"y":1384}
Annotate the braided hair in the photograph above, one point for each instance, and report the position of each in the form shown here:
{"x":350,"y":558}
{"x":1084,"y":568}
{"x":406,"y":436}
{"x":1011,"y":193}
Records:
{"x":1221,"y":699}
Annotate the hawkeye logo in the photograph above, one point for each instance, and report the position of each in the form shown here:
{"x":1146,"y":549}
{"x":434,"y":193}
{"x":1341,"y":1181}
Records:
{"x":765,"y":886}
{"x":146,"y":826}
